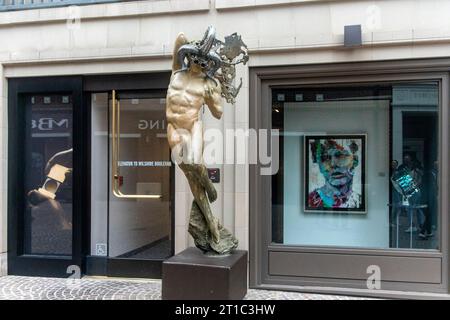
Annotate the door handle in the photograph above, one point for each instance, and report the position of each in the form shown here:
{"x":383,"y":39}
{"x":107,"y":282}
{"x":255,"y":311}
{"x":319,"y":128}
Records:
{"x":115,"y":169}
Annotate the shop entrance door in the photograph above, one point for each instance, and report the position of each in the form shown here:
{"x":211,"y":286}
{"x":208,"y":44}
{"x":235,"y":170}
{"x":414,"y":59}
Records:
{"x":131,"y":183}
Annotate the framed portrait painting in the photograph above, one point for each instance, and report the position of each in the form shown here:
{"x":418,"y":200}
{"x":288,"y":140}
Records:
{"x":335,"y":173}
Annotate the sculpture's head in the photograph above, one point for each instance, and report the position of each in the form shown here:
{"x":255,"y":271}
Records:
{"x":216,"y":59}
{"x":199,"y":52}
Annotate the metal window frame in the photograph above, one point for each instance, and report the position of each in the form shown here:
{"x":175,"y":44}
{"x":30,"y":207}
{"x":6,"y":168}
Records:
{"x":19,"y":262}
{"x":262,"y":79}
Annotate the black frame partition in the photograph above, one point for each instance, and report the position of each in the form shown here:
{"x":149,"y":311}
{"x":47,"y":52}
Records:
{"x":81,"y":88}
{"x":20,"y":263}
{"x":342,"y":270}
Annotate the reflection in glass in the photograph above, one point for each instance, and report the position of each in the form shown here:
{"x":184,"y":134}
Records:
{"x":48,"y":175}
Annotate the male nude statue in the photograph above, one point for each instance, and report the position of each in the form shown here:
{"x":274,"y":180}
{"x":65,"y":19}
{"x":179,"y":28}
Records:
{"x":187,"y":93}
{"x":193,"y":85}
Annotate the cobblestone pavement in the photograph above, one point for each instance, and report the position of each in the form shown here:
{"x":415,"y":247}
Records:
{"x":89,"y":288}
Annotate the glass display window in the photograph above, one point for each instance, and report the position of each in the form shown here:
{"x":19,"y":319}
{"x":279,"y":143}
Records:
{"x":359,"y":166}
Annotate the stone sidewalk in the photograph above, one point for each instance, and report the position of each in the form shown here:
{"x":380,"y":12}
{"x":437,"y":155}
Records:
{"x":90,"y":288}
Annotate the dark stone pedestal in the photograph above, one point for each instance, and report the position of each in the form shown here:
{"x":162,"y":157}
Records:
{"x":192,"y":275}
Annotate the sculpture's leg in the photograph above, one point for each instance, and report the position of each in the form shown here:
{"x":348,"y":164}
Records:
{"x":188,"y":146}
{"x":202,"y":174}
{"x":198,"y":168}
{"x":180,"y":142}
{"x":197,"y":142}
{"x":202,"y":201}
{"x":187,"y":151}
{"x":199,"y":230}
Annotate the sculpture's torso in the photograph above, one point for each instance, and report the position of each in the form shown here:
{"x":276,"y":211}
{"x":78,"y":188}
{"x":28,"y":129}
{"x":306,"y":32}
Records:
{"x":185,"y":97}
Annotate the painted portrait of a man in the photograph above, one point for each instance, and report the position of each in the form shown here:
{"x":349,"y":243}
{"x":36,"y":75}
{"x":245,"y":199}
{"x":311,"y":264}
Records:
{"x":334,"y":173}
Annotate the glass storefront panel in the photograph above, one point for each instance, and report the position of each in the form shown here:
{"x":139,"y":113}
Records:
{"x":131,"y":226}
{"x":48,"y":174}
{"x":359,"y":166}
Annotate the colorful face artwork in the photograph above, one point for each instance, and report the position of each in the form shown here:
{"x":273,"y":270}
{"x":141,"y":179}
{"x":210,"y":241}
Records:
{"x":335,"y":174}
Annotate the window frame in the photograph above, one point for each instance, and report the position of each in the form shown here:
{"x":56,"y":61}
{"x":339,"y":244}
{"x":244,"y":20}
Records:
{"x":261,"y":249}
{"x":19,"y":261}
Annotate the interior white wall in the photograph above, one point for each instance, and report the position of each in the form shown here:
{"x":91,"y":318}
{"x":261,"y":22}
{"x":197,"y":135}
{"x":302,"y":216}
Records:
{"x":134,"y":223}
{"x":331,"y":229}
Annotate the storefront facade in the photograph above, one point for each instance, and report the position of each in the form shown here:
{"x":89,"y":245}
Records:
{"x":67,"y":74}
{"x":384,"y":109}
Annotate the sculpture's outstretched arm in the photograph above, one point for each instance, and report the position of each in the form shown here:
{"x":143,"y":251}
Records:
{"x":213,"y":100}
{"x":181,"y":40}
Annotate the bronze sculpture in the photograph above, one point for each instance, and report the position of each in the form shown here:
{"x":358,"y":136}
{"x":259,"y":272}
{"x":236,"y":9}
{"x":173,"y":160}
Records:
{"x":202,"y":74}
